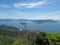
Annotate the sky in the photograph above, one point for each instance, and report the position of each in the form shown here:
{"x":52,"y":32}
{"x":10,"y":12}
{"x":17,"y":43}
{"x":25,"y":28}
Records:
{"x":30,"y":9}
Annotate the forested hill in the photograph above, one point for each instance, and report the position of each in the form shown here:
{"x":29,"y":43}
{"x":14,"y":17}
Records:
{"x":13,"y":36}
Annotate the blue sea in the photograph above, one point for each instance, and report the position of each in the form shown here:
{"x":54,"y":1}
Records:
{"x":30,"y":25}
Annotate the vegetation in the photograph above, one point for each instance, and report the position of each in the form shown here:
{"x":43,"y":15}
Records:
{"x":13,"y":36}
{"x":54,"y":38}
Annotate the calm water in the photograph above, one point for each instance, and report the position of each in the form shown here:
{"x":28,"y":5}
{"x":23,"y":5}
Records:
{"x":46,"y":27}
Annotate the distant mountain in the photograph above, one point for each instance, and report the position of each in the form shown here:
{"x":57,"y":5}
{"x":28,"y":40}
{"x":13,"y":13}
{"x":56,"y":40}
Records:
{"x":22,"y":19}
{"x":35,"y":21}
{"x":43,"y":21}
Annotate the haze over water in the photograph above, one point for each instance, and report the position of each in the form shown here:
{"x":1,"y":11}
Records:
{"x":31,"y":25}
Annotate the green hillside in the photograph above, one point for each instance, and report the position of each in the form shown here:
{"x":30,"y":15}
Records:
{"x":13,"y":36}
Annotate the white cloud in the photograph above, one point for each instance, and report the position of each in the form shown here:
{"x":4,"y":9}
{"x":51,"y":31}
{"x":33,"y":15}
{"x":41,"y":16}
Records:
{"x":52,"y":15}
{"x":24,"y":15}
{"x":44,"y":17}
{"x":12,"y":15}
{"x":31,"y":5}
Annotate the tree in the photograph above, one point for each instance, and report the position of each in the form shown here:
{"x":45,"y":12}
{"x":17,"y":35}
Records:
{"x":42,"y":39}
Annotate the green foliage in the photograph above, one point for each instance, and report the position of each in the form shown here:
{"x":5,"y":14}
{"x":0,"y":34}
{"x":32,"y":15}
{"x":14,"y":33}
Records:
{"x":13,"y":36}
{"x":54,"y":38}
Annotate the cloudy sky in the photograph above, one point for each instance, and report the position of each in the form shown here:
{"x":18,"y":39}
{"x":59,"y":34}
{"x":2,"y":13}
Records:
{"x":30,"y":9}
